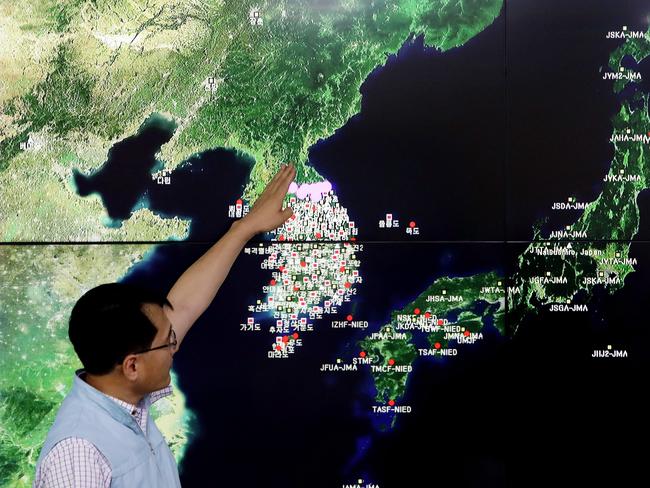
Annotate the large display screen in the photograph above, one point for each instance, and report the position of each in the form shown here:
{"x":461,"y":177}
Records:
{"x":460,"y":297}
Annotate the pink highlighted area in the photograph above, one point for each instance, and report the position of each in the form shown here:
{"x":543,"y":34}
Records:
{"x":314,"y":191}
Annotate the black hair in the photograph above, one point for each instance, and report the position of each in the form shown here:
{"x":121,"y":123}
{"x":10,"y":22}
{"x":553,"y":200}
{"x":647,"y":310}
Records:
{"x":107,"y":323}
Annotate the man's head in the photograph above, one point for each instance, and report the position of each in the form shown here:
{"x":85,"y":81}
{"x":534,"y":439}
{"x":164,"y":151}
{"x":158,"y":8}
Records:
{"x":111,"y":327}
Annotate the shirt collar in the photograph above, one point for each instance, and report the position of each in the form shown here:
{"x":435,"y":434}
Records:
{"x":132,"y":409}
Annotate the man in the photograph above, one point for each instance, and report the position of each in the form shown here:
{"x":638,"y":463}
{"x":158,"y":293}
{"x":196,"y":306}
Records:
{"x":125,"y":339}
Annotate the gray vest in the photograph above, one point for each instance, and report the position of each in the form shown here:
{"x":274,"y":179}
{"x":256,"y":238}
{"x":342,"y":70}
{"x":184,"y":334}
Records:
{"x":136,"y":458}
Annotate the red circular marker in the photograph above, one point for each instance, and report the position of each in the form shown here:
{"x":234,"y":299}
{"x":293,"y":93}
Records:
{"x":281,"y":268}
{"x":293,"y":217}
{"x":391,"y":402}
{"x":239,"y":201}
{"x":285,"y":339}
{"x":349,"y":317}
{"x":362,"y":354}
{"x":295,"y":335}
{"x":272,"y":282}
{"x":296,"y":288}
{"x":440,"y":321}
{"x":353,"y":238}
{"x":278,"y":348}
{"x":303,"y":264}
{"x":281,"y":238}
{"x":466,"y":333}
{"x":411,"y":224}
{"x":437,"y":345}
{"x":348,"y":284}
{"x":427,"y":314}
{"x":391,"y":361}
{"x":317,"y":235}
{"x":416,"y":311}
{"x":342,"y":269}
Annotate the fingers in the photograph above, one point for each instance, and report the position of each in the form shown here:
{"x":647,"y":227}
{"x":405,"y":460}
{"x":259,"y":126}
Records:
{"x":287,"y":213}
{"x":271,"y":185}
{"x":277,"y":188}
{"x":288,"y":178}
{"x":287,"y":172}
{"x":283,"y":179}
{"x":276,"y":177}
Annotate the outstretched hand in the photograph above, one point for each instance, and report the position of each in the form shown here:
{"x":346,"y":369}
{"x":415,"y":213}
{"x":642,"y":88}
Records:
{"x":267,"y":213}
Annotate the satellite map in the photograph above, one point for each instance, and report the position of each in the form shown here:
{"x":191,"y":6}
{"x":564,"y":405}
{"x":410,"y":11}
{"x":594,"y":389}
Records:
{"x":459,"y":297}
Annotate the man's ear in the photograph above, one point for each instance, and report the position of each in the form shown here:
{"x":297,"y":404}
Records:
{"x":130,"y":367}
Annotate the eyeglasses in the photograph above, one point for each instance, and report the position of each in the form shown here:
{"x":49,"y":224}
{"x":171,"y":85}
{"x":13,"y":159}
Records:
{"x":172,"y":343}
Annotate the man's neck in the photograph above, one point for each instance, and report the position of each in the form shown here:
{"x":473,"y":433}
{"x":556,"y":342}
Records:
{"x":108,"y":385}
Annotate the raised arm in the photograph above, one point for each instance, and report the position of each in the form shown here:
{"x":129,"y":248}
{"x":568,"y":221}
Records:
{"x":197,"y":286}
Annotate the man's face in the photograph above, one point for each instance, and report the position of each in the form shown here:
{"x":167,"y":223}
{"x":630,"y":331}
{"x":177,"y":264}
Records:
{"x":157,"y":364}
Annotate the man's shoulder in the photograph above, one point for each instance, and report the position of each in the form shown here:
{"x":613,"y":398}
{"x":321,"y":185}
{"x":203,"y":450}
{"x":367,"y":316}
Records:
{"x":73,"y":458}
{"x":72,"y":447}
